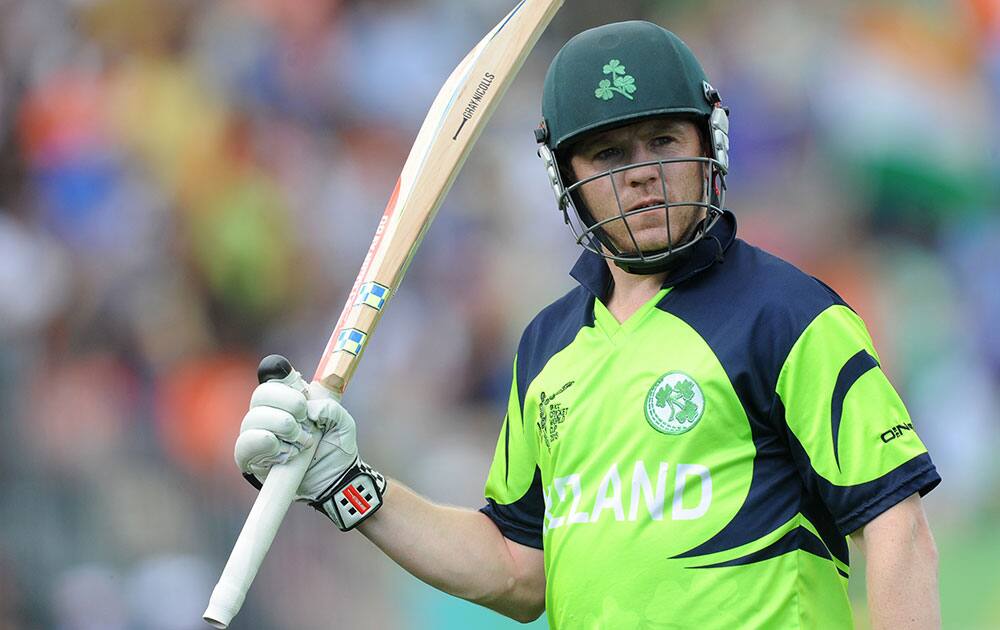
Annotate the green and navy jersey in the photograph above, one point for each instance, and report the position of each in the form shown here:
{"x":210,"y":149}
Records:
{"x":701,"y":464}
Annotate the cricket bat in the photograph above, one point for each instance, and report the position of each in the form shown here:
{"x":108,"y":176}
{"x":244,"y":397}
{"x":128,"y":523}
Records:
{"x":455,"y":119}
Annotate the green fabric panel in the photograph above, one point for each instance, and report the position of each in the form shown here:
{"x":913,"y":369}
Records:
{"x":613,"y":482}
{"x":803,"y":592}
{"x":871,"y":406}
{"x":513,"y":467}
{"x":821,"y":594}
{"x":622,"y":497}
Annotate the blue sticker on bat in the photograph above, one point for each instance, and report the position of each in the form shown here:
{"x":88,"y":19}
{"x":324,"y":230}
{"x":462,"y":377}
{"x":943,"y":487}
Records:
{"x":373,"y":294}
{"x":350,"y":340}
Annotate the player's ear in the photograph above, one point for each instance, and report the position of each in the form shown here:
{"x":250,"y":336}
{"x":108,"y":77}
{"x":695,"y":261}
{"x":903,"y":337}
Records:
{"x":705,"y":150}
{"x":567,"y":173}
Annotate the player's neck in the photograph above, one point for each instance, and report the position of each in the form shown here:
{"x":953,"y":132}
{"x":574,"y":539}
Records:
{"x":630,"y":291}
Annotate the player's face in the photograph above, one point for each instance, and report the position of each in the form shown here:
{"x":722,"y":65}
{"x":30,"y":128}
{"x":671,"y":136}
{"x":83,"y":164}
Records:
{"x":643,"y":186}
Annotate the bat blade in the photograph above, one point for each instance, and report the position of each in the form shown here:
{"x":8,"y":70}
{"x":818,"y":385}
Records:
{"x":453,"y":124}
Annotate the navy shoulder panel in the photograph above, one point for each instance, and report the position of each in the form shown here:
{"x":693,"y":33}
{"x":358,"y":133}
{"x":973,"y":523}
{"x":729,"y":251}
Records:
{"x":554,"y":328}
{"x":750,"y":309}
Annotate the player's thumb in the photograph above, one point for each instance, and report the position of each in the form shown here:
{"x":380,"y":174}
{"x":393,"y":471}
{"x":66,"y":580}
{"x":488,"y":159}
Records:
{"x":324,"y":409}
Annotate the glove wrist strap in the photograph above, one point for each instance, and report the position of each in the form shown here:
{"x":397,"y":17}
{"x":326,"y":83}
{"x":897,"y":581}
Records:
{"x":354,"y":497}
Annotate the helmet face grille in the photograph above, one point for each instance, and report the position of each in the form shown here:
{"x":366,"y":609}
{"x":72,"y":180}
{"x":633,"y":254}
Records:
{"x":596,"y":235}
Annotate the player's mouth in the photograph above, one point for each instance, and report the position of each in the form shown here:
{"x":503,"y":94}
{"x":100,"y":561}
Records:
{"x":644,"y":204}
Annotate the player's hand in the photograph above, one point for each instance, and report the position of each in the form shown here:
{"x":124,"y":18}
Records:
{"x":286,"y":416}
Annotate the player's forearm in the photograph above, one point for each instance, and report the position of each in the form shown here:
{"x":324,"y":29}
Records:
{"x":456,"y":550}
{"x":902,"y":569}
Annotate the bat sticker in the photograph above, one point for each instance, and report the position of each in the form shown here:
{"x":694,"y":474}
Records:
{"x":350,"y":340}
{"x":372,"y":294}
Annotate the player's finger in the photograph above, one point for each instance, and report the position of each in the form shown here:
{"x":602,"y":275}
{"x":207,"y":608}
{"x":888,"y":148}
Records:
{"x":279,"y":396}
{"x":257,"y":448}
{"x":278,"y":422}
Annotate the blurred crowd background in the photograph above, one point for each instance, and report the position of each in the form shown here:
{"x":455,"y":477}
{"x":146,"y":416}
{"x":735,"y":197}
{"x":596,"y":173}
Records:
{"x":186,"y":186}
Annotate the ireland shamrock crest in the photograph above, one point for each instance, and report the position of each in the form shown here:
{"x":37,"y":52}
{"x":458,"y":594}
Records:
{"x":674,"y":404}
{"x":620,"y":82}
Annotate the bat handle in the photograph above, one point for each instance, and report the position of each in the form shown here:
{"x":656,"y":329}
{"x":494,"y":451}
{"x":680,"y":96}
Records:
{"x":262,"y":523}
{"x":255,"y":538}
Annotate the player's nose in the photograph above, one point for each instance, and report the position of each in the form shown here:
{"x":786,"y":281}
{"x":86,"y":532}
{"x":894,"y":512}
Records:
{"x":647,"y":173}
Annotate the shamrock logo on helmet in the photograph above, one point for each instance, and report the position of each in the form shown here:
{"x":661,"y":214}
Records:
{"x":620,"y":82}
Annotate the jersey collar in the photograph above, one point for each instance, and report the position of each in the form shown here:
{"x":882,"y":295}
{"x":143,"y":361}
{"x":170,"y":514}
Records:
{"x":591,"y":270}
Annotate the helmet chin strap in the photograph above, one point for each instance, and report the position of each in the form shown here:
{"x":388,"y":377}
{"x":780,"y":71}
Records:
{"x":667,"y":259}
{"x":671,"y":256}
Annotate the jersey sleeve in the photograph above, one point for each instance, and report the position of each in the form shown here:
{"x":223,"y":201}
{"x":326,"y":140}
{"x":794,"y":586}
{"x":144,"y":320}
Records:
{"x":849,"y":432}
{"x":514,"y":489}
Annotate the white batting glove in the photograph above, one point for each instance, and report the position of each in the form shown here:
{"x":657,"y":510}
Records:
{"x":286,"y":416}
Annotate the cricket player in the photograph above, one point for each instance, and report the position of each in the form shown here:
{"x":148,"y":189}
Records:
{"x":693,"y":432}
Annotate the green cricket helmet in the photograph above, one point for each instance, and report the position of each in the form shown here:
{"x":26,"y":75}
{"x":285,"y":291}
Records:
{"x":615,"y":75}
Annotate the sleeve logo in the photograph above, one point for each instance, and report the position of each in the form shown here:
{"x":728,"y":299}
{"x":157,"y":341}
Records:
{"x":896,"y":432}
{"x":674,"y":404}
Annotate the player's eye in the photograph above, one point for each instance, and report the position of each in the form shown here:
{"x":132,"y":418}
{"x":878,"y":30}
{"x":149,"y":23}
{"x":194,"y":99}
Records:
{"x":662,"y":141}
{"x":607,"y":154}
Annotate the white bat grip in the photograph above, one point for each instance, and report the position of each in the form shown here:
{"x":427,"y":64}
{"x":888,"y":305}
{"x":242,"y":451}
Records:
{"x":255,"y":538}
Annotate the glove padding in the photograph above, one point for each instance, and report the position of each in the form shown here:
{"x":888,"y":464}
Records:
{"x":286,"y":416}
